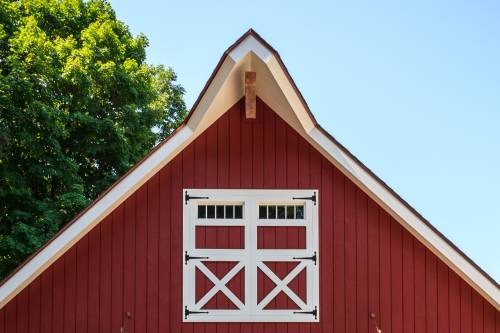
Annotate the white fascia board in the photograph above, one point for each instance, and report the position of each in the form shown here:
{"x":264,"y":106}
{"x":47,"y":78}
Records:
{"x":211,"y":93}
{"x":410,"y":220}
{"x":250,"y":44}
{"x":118,"y":194}
{"x":291,"y":95}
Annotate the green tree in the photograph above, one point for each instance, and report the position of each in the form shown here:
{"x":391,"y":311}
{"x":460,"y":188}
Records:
{"x":79,"y":105}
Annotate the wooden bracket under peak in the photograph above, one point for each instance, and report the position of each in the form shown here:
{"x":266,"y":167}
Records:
{"x":250,"y":95}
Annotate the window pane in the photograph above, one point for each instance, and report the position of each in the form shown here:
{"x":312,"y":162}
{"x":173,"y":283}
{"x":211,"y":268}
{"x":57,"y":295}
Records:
{"x":263,"y":212}
{"x":271,"y":212}
{"x":229,"y":212}
{"x":211,"y":212}
{"x":202,"y":211}
{"x":299,"y":212}
{"x":238,"y":212}
{"x":220,"y":212}
{"x":281,"y":212}
{"x":289,"y":212}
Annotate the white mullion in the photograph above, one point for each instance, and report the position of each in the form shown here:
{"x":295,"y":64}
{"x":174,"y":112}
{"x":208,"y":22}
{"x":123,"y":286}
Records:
{"x":251,"y":287}
{"x":248,"y":270}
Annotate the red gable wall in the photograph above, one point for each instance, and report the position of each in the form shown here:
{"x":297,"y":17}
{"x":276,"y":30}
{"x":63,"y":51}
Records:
{"x":132,"y":261}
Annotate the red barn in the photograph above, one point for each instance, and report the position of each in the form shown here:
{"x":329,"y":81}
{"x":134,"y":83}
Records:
{"x":250,"y":218}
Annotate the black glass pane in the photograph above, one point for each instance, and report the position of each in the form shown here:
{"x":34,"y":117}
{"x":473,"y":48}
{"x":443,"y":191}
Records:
{"x":271,"y":212}
{"x":262,"y":212}
{"x":229,"y":212}
{"x":210,"y":212}
{"x":299,"y":212}
{"x":220,"y":212}
{"x":238,"y":212}
{"x":289,"y":212}
{"x":281,"y":212}
{"x":202,"y":212}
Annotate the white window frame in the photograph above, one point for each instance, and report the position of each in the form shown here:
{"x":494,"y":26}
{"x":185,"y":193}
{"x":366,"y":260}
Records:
{"x":251,"y":257}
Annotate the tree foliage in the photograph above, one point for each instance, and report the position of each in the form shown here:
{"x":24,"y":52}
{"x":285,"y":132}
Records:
{"x":79,"y":105}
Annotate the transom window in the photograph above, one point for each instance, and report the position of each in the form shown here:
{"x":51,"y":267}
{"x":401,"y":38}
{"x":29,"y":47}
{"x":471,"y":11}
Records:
{"x":289,"y":212}
{"x":250,"y":256}
{"x":220,"y":211}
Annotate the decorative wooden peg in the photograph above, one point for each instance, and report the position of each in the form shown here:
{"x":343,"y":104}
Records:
{"x":250,"y":95}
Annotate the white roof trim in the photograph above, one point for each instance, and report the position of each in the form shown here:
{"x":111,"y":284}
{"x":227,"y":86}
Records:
{"x":223,"y":91}
{"x":251,"y":44}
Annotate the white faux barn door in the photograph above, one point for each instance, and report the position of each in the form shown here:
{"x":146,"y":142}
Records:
{"x":250,"y":256}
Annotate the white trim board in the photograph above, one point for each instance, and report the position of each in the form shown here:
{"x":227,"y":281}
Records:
{"x":225,"y":89}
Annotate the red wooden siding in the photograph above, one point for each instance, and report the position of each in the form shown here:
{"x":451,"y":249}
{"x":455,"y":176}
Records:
{"x":132,"y":261}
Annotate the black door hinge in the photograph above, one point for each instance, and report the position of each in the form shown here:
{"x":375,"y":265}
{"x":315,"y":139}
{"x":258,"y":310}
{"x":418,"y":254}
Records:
{"x":188,"y":197}
{"x":312,"y":198}
{"x":188,"y":312}
{"x":187,"y":257}
{"x":313,"y":258}
{"x":313,"y":312}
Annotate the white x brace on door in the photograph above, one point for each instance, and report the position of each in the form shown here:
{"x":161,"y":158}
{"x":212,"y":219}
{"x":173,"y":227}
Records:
{"x":250,"y":256}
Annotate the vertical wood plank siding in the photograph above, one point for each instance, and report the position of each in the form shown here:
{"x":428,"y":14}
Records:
{"x":132,"y":261}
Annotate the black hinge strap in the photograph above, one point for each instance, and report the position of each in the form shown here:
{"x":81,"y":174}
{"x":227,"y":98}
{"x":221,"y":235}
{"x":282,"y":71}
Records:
{"x":313,"y":312}
{"x":187,"y":257}
{"x":314,"y":258}
{"x":312,"y":198}
{"x":188,"y":197}
{"x":188,"y":312}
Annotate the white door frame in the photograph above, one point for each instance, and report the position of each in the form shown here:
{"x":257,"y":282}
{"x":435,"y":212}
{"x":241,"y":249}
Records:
{"x":250,"y":258}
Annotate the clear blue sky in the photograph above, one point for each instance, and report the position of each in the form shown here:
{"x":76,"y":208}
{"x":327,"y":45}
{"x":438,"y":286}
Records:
{"x":412,"y":88}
